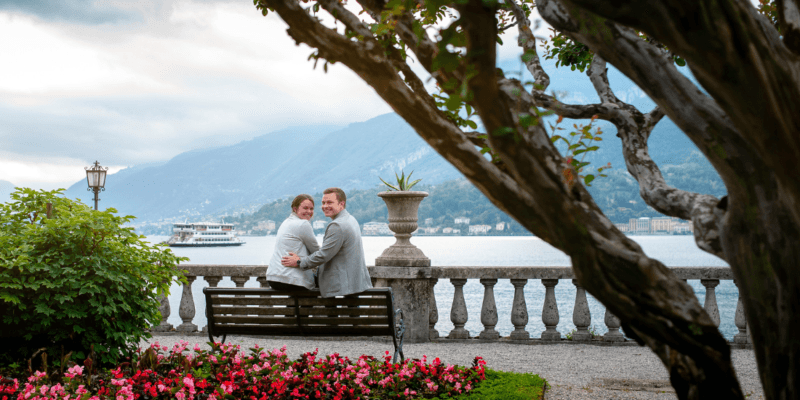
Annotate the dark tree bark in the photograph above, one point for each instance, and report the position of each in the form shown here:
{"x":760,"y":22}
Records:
{"x":747,"y":128}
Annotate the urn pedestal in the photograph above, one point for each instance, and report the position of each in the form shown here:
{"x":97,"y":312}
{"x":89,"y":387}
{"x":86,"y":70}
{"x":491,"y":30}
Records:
{"x":411,"y":293}
{"x":403,"y":207}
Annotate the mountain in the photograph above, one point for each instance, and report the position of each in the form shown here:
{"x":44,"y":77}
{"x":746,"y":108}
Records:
{"x":241,"y":178}
{"x":244,"y":176}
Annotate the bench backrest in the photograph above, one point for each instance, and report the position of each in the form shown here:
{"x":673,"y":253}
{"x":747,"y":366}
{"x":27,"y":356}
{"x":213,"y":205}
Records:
{"x":260,"y":311}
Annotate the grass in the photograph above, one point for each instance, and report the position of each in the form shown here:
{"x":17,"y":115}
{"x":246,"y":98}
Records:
{"x":500,"y":385}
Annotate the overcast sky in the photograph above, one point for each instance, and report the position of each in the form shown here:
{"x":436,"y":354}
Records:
{"x":127,"y":83}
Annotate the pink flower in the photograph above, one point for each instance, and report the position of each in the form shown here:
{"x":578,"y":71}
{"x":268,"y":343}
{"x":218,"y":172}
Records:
{"x":75,"y":370}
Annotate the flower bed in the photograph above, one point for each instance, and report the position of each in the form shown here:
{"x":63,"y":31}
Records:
{"x":226,"y":372}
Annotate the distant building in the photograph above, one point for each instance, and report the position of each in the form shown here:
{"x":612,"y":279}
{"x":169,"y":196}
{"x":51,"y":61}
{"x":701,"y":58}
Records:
{"x":268,"y":225}
{"x":461,"y":220}
{"x":623,"y":227}
{"x":683,"y":228}
{"x":428,"y":221}
{"x":447,"y":230}
{"x":479,"y":229}
{"x":661,"y":225}
{"x":500,"y":226}
{"x":319,"y":224}
{"x":642,"y":225}
{"x":376,"y":228}
{"x":456,"y":231}
{"x":430,"y":230}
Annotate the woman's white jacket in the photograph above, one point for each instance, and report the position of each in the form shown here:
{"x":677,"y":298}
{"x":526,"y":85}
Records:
{"x":294,"y":235}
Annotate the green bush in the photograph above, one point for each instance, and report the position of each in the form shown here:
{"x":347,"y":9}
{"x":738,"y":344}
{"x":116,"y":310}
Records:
{"x":75,"y":280}
{"x":500,"y":385}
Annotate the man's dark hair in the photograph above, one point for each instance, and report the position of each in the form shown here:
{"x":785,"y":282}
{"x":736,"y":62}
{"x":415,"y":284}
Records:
{"x":340,"y":196}
{"x":300,"y":199}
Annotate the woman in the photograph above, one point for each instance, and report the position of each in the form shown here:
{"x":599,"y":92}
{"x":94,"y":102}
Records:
{"x":294,"y":235}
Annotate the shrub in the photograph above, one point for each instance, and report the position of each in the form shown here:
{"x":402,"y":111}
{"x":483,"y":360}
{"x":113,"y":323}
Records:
{"x":76,"y":279}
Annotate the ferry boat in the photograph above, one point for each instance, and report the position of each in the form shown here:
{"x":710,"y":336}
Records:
{"x":204,"y":234}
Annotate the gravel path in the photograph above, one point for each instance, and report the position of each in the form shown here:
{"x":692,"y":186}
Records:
{"x":573,"y":371}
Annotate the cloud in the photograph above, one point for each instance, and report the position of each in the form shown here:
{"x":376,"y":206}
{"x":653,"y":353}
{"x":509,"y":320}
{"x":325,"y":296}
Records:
{"x":81,"y":11}
{"x":44,"y":173}
{"x":186,"y":74}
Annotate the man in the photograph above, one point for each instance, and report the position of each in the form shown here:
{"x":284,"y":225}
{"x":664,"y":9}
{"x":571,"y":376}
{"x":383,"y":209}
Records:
{"x":342,"y":269}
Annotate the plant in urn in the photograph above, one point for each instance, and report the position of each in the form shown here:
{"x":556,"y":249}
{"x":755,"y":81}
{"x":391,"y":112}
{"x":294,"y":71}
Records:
{"x":402,"y":204}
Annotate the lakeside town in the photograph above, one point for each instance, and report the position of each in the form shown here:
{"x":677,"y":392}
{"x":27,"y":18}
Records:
{"x":461,"y":227}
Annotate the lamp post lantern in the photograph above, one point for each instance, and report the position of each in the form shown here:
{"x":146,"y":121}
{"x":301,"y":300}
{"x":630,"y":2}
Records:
{"x":96,"y":177}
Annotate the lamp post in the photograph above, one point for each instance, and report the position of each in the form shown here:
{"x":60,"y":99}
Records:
{"x":96,"y":177}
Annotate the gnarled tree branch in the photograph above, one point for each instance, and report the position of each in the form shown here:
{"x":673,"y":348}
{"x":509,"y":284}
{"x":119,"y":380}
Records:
{"x":527,"y":41}
{"x":740,"y":61}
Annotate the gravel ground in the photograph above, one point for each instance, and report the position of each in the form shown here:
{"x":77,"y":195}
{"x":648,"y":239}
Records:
{"x":573,"y":371}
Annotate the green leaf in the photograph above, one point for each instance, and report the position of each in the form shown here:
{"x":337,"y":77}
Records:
{"x":453,"y":103}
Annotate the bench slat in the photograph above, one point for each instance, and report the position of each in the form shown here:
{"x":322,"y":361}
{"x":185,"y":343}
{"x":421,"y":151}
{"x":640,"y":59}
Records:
{"x":286,"y":301}
{"x":260,"y":330}
{"x":292,"y":321}
{"x":223,"y":310}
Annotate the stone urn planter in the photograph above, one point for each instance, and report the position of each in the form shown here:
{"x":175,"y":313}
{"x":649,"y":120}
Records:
{"x":403,"y":207}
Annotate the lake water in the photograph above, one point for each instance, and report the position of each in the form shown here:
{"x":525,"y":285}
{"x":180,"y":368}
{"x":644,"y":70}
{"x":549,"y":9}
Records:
{"x":673,"y":251}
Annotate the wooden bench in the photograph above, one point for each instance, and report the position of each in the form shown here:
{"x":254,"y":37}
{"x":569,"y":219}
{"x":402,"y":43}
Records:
{"x":259,"y":311}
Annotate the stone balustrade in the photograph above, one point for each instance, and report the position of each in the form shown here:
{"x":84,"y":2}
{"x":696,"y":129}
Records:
{"x":424,"y":324}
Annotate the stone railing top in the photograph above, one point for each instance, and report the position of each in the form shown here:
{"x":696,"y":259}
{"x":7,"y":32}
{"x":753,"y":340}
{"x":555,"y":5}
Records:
{"x":456,"y":272}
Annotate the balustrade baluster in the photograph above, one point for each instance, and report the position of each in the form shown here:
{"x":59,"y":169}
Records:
{"x":165,"y":310}
{"x":213,"y":281}
{"x":240,"y":281}
{"x":519,"y":311}
{"x":262,"y":281}
{"x":710,"y":304}
{"x":581,"y":316}
{"x":612,"y":322}
{"x":186,"y":310}
{"x":433,"y":316}
{"x":740,"y":320}
{"x":550,"y":311}
{"x":489,"y":310}
{"x":458,"y":312}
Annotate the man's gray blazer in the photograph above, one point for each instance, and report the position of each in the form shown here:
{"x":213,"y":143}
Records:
{"x":342,"y":269}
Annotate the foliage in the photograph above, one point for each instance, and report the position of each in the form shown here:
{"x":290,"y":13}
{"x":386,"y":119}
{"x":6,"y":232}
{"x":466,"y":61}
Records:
{"x":500,"y":385}
{"x":404,"y":182}
{"x":228,"y":372}
{"x":583,"y":138}
{"x":568,"y":52}
{"x":75,"y":279}
{"x":768,"y":9}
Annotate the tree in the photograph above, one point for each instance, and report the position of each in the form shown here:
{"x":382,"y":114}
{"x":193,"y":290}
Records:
{"x":744,"y":120}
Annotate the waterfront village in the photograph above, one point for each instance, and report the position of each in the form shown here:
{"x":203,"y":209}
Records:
{"x":461,"y":226}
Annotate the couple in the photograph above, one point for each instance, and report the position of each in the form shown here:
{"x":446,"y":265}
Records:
{"x":342,"y":269}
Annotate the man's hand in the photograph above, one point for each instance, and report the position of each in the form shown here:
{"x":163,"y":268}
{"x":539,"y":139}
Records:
{"x":292,"y":260}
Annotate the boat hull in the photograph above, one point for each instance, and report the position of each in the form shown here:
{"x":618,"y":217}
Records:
{"x":205,"y":244}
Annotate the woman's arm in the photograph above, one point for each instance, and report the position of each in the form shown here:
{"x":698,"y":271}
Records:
{"x":330,"y":246}
{"x":306,"y":235}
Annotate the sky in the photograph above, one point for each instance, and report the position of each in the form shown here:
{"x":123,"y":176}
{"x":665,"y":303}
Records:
{"x":129,"y":83}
